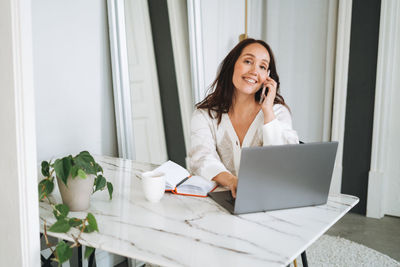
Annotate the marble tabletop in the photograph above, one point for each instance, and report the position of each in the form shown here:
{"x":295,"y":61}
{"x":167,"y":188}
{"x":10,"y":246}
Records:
{"x":193,"y":231}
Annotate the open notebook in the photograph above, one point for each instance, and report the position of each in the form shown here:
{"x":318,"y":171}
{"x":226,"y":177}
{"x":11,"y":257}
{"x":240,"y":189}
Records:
{"x":179,"y":181}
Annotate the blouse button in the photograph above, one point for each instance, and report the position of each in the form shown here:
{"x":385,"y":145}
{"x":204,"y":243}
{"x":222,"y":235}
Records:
{"x":237,"y":143}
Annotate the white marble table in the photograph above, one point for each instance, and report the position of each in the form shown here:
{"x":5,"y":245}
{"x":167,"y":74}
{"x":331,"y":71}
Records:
{"x":190,"y":231}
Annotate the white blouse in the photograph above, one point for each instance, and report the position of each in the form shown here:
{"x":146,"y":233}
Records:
{"x":216,"y":148}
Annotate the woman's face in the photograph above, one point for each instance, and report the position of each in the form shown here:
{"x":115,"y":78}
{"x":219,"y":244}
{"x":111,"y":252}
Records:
{"x":251,"y":69}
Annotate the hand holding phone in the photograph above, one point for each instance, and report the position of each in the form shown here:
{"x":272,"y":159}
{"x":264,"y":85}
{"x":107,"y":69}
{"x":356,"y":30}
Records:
{"x":264,"y":92}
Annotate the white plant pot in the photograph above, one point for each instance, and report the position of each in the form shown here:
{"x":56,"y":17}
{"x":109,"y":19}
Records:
{"x":77,"y":195}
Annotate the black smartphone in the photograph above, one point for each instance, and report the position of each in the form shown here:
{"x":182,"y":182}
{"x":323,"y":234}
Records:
{"x":261,"y":97}
{"x":258,"y":96}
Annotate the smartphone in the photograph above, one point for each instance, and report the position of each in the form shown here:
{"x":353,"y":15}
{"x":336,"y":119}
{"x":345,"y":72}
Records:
{"x":263,"y":91}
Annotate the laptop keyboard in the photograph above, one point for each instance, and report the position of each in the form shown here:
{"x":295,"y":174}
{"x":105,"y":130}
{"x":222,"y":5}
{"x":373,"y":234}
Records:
{"x":231,"y":200}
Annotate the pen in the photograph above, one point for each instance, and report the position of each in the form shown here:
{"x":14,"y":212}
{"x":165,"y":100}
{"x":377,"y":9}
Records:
{"x":181,"y":182}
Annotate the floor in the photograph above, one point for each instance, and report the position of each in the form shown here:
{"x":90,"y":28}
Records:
{"x":383,"y":235}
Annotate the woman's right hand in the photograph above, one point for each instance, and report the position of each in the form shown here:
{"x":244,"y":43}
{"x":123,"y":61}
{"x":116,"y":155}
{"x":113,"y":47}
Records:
{"x":227,"y":179}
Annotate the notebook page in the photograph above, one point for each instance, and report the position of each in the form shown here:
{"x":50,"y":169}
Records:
{"x":196,"y":185}
{"x":174,"y":173}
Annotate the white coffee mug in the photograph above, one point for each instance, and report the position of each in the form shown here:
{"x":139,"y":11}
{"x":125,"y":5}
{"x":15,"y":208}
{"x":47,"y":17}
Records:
{"x":153,"y":185}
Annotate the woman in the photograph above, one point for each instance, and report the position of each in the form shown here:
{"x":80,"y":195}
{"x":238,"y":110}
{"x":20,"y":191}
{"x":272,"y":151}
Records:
{"x":236,"y":114}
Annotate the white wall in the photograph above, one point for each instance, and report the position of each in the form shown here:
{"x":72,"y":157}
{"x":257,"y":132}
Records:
{"x":222,"y":23}
{"x":300,"y":34}
{"x":392,"y":170}
{"x":72,"y":72}
{"x":384,"y":174}
{"x":19,"y":224}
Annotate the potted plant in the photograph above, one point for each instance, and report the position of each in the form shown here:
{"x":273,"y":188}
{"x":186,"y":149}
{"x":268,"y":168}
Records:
{"x":78,"y":177}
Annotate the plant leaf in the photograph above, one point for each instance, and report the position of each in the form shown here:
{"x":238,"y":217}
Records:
{"x":63,"y":251}
{"x":110,"y":189}
{"x":60,"y":226}
{"x":45,"y":169}
{"x":86,"y":162}
{"x":74,"y":171}
{"x":85,"y":155}
{"x":100,"y":183}
{"x":74,"y":222}
{"x":60,"y":211}
{"x":45,"y":188}
{"x":92,"y":221}
{"x":81,"y":174}
{"x":88,"y":229}
{"x":98,"y":168}
{"x":88,"y":252}
{"x":63,"y":168}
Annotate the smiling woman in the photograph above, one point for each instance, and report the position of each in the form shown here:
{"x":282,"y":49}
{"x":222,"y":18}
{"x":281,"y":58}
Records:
{"x":232,"y":115}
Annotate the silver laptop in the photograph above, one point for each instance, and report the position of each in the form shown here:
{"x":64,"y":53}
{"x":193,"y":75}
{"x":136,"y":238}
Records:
{"x":281,"y":177}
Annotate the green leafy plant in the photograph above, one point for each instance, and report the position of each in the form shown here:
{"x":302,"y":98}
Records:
{"x":63,"y":251}
{"x":78,"y":167}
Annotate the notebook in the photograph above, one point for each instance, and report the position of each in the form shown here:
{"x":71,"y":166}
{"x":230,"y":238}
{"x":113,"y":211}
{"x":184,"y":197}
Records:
{"x":179,"y":181}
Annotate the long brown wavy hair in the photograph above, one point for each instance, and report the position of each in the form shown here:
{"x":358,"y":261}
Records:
{"x":222,"y":89}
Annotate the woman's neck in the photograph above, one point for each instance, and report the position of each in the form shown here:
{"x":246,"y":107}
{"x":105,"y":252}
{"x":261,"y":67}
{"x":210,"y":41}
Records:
{"x":244,"y":105}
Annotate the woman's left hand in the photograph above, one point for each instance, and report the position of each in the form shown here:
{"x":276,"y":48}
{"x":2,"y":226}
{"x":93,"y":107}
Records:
{"x":268,"y":103}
